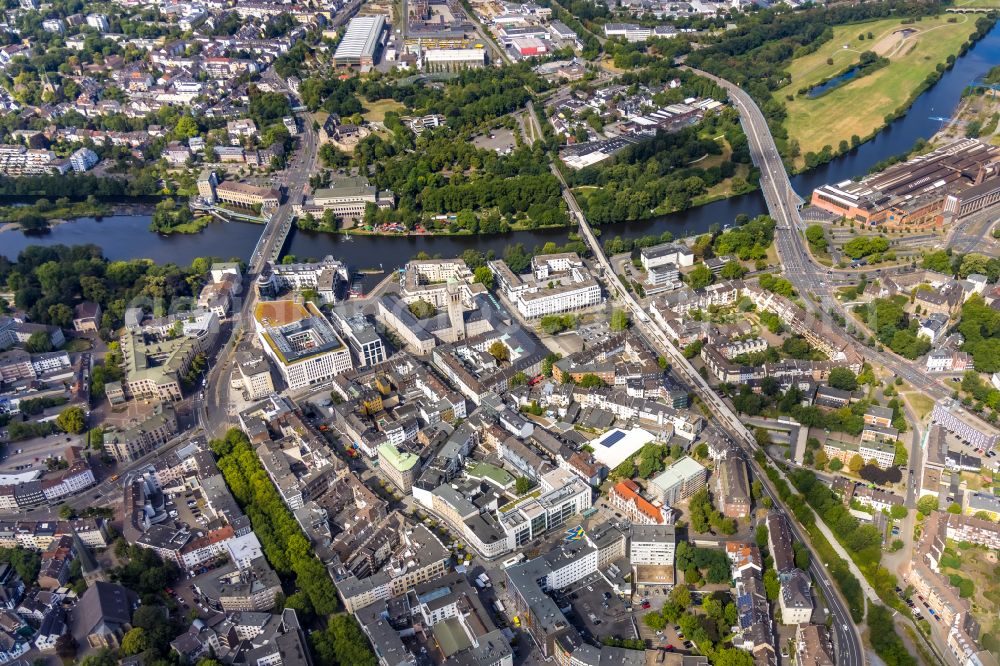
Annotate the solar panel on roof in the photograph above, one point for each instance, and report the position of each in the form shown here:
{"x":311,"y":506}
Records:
{"x":613,"y":438}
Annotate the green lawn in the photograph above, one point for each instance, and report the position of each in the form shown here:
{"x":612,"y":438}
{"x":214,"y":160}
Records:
{"x":375,"y":111}
{"x":75,"y":345}
{"x":987,"y":4}
{"x":860,"y":106}
{"x":920,"y":403}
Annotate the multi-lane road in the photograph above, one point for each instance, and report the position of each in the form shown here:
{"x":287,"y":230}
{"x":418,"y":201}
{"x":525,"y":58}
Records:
{"x":808,"y":276}
{"x":849,"y":647}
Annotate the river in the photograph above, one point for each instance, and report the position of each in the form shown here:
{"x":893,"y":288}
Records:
{"x":127,"y":236}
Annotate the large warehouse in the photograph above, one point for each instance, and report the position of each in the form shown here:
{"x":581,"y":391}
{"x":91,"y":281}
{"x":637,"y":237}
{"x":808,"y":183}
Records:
{"x":361,"y":42}
{"x":950,"y":182}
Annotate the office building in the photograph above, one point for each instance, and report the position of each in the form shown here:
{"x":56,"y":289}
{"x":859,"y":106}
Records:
{"x":651,"y":551}
{"x":207,"y":182}
{"x":248,"y":196}
{"x":151,"y":433}
{"x":664,"y":254}
{"x":400,"y":466}
{"x":361,"y":336}
{"x":301,"y":342}
{"x":559,"y":283}
{"x":254,"y":373}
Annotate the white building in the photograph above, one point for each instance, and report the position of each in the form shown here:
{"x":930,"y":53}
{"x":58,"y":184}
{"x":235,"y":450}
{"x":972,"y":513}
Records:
{"x":301,"y":342}
{"x":99,"y":21}
{"x":253,"y":374}
{"x":83,"y":159}
{"x":652,"y":545}
{"x":629,"y":31}
{"x":451,"y":60}
{"x":362,"y":337}
{"x":679,"y":481}
{"x":559,"y":283}
{"x":616,"y":445}
{"x":795,"y":599}
{"x":666,"y":253}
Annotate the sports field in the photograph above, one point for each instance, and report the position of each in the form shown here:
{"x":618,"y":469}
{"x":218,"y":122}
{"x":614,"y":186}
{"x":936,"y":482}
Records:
{"x":860,"y":105}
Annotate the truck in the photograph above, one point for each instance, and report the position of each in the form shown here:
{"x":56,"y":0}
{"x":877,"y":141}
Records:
{"x":499,"y":606}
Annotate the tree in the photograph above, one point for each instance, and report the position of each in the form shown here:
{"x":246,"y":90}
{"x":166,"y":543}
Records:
{"x":843,"y":379}
{"x":135,"y":641}
{"x":342,"y":643}
{"x":655,"y":621}
{"x":836,"y":465}
{"x":548,"y":362}
{"x":802,"y":555}
{"x":700,"y":277}
{"x":72,"y":420}
{"x":619,"y":320}
{"x":39,"y":343}
{"x":733,"y":270}
{"x":761,"y":536}
{"x":422,"y":309}
{"x":499,"y":351}
{"x":856,"y":463}
{"x":484,"y":276}
{"x":898,"y":511}
{"x":771,"y":584}
{"x":926,"y":504}
{"x":820,"y":459}
{"x":66,"y":648}
{"x":522,"y":485}
{"x":955,"y":508}
{"x":681,"y":596}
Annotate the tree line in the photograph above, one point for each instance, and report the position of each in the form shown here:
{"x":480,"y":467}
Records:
{"x":285,"y":545}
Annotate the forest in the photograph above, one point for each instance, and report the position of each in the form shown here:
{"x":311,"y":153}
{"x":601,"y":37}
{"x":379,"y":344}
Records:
{"x":650,"y":175}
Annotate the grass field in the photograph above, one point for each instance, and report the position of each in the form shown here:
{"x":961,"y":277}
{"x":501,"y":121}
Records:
{"x":375,"y":111}
{"x":920,"y":403}
{"x":860,"y":106}
{"x":976,"y":4}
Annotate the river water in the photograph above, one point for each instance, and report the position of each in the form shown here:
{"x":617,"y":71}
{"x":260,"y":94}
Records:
{"x":128,"y":236}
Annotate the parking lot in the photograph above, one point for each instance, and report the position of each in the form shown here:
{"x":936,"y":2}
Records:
{"x":500,"y":140}
{"x":30,"y":454}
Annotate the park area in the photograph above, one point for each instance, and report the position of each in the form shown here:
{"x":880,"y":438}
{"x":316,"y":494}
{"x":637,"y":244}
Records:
{"x":858,"y":106}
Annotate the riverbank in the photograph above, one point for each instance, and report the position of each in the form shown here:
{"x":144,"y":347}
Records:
{"x":44,"y":214}
{"x":919,"y":53}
